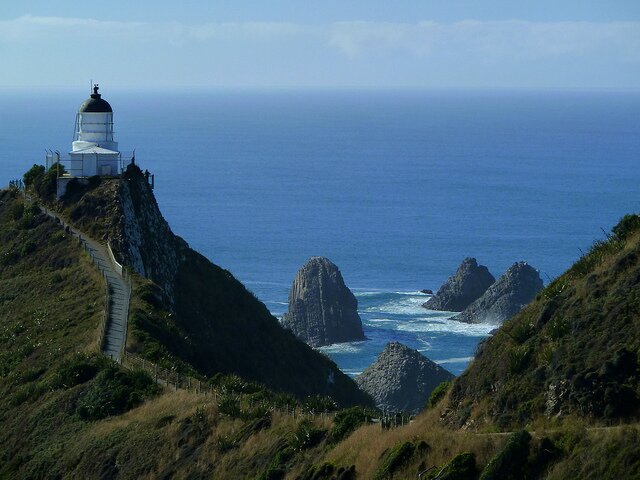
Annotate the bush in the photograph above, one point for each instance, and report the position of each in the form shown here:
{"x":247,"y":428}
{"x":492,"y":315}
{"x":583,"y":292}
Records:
{"x":79,"y":369}
{"x":33,"y":176}
{"x":395,"y":458}
{"x":461,"y":467}
{"x":346,"y":421}
{"x":319,"y":403}
{"x":627,"y":225}
{"x":229,"y":405}
{"x":511,"y":461}
{"x":438,"y":393}
{"x":306,"y":436}
{"x":113,"y":392}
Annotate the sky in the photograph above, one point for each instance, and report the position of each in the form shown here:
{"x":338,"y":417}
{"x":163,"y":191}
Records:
{"x":573,"y":44}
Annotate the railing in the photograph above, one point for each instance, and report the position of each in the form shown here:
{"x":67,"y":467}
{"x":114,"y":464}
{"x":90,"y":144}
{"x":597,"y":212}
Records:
{"x":169,"y":378}
{"x":118,"y":266}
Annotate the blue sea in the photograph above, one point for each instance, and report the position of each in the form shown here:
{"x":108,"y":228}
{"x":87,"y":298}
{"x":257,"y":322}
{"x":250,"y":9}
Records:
{"x":395,"y":187}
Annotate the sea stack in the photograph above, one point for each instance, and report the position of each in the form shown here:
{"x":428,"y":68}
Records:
{"x":463,"y":288}
{"x":513,"y":290}
{"x":322,"y":310}
{"x":401,"y":379}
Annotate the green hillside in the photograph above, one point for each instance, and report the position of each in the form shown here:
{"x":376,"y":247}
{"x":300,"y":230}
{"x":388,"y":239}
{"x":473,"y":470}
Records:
{"x":571,"y":352}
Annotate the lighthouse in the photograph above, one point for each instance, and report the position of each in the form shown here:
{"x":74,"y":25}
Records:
{"x":94,"y":150}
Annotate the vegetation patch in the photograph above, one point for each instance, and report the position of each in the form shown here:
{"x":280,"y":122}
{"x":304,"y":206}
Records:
{"x":114,"y":391}
{"x":510,"y":463}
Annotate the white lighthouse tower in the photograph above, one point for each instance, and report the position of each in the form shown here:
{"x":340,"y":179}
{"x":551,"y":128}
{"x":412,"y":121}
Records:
{"x":94,"y":151}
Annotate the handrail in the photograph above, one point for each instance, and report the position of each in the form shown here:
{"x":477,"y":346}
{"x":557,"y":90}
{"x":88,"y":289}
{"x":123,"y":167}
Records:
{"x":112,"y":257}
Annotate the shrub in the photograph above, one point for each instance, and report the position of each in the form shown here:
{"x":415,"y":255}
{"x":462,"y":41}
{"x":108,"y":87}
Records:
{"x":306,"y":436}
{"x":627,"y":225}
{"x":114,"y":391}
{"x":33,"y":176}
{"x":28,"y":247}
{"x":461,"y":467}
{"x":77,"y":370}
{"x":229,"y":405}
{"x":346,"y":421}
{"x":519,"y":359}
{"x":438,"y":393}
{"x":395,"y":458}
{"x":511,"y":461}
{"x":319,"y":403}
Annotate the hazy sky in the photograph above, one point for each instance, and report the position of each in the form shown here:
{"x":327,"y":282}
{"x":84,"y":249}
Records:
{"x":333,"y":43}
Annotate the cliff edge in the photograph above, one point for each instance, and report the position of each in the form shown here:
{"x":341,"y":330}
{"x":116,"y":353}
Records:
{"x":192,"y":310}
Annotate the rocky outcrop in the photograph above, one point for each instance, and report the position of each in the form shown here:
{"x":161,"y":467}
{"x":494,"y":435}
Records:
{"x":322,"y":310}
{"x":401,"y":378}
{"x":517,"y":287}
{"x":463,"y":288}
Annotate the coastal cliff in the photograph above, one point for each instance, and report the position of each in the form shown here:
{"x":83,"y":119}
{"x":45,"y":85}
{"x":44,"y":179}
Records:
{"x":322,"y":310}
{"x":192,"y":310}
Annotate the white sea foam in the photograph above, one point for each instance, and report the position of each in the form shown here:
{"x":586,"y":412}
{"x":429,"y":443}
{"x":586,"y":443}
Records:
{"x":410,"y":305}
{"x":446,"y":326}
{"x":455,"y":360}
{"x":350,"y":347}
{"x":373,"y":293}
{"x":380,"y":320}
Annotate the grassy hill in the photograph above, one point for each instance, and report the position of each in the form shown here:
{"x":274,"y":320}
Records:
{"x":572,"y":352}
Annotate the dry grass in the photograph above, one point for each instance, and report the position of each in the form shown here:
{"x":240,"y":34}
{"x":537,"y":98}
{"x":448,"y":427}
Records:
{"x":366,"y":446}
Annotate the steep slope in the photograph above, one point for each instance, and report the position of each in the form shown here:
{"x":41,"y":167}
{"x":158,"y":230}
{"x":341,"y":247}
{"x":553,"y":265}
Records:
{"x":322,"y":310}
{"x":572,"y":351}
{"x":194,"y":311}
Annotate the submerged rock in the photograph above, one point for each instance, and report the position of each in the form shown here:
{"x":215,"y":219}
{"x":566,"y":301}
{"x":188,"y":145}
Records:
{"x":322,"y":310}
{"x":517,"y":287}
{"x":401,"y":378}
{"x":463,"y":288}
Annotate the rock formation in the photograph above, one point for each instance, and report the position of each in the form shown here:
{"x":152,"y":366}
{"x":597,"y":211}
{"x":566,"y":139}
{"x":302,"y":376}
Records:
{"x":322,"y":310}
{"x":401,"y":378}
{"x":463,"y":288}
{"x":506,"y":297}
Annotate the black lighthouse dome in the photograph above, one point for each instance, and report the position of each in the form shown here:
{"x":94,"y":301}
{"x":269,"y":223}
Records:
{"x":95,"y":104}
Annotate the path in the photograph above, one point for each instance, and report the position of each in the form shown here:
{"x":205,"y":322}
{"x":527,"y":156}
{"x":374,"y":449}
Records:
{"x":115,"y":334}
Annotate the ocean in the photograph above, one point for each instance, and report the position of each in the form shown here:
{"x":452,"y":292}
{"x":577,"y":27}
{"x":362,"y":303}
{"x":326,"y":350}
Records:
{"x":395,"y":187}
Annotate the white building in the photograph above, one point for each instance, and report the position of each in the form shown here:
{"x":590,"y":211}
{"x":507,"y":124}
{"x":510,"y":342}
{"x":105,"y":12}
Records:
{"x":93,"y":150}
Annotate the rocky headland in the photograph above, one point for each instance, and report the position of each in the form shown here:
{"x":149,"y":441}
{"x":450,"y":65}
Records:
{"x":322,"y":310}
{"x":401,"y":378}
{"x":463,"y":288}
{"x":507,"y":296}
